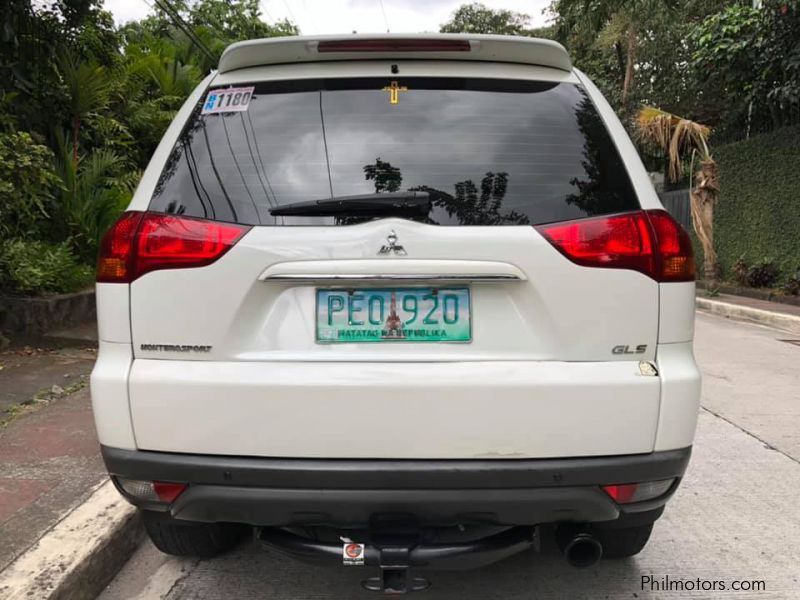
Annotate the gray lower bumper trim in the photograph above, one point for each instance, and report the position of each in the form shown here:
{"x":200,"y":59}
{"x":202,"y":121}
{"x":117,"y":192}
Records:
{"x":394,"y":474}
{"x":350,"y":493}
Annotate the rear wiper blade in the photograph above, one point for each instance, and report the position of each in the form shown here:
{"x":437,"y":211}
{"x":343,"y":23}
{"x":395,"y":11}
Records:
{"x":394,"y":203}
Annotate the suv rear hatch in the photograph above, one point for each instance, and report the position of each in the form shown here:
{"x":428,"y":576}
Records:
{"x":251,"y":331}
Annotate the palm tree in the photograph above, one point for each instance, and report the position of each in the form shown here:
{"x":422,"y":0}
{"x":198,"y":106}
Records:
{"x":88,"y":87}
{"x":94,"y":191}
{"x":680,"y":139}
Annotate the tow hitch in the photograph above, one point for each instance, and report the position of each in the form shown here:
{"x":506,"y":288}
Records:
{"x":397,"y":555}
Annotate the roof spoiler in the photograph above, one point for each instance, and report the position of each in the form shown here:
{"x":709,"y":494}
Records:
{"x":469,"y":47}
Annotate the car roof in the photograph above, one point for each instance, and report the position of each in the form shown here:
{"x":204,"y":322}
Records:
{"x":473,"y":47}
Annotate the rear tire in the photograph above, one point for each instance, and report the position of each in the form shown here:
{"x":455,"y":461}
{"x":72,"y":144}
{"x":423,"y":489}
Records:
{"x":623,"y":542}
{"x":186,"y":538}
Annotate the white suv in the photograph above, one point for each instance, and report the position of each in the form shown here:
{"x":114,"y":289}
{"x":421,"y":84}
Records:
{"x":396,"y":301}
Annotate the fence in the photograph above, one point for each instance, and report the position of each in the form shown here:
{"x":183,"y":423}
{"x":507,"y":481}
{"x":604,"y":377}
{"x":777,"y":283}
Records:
{"x":677,"y":204}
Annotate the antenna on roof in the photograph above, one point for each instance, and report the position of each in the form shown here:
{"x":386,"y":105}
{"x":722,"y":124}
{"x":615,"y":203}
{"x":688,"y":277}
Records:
{"x":385,"y":20}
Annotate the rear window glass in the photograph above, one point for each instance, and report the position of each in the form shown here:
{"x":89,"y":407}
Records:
{"x":488,"y":152}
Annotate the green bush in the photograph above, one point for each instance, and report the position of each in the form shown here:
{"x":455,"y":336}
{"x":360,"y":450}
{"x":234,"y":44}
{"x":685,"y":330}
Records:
{"x":763,"y":274}
{"x":740,"y":270}
{"x":27,"y":182}
{"x":35,"y":267}
{"x":792,"y":285}
{"x":758,"y":213}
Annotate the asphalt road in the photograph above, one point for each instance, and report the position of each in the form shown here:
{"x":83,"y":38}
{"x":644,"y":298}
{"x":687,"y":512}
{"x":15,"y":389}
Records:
{"x":736,"y":517}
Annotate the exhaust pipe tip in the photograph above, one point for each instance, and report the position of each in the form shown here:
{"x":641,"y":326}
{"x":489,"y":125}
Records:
{"x":581,"y":549}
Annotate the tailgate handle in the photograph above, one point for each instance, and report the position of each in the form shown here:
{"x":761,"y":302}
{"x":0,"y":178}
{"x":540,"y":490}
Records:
{"x":393,"y":270}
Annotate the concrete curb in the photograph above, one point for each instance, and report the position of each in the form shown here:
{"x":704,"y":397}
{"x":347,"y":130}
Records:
{"x":778,"y":320}
{"x":77,"y":558}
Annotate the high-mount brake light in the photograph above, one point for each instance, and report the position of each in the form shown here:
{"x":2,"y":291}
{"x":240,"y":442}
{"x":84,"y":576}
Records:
{"x":142,"y":242}
{"x":394,"y":45}
{"x":650,"y":242}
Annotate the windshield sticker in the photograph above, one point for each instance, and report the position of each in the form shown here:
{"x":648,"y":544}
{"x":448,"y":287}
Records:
{"x":228,"y":100}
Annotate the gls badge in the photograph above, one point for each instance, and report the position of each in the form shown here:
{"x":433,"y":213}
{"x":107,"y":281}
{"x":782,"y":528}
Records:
{"x":640,"y":349}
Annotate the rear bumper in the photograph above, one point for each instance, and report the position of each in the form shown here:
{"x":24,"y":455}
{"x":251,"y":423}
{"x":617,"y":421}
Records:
{"x":353,"y":493}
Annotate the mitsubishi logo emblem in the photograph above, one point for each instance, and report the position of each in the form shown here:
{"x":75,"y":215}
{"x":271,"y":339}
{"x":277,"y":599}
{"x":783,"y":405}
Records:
{"x":391,"y":246}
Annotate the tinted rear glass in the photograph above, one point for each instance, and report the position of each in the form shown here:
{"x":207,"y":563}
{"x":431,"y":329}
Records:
{"x":488,"y":152}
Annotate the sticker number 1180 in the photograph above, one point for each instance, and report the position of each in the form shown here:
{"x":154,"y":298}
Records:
{"x":228,"y":100}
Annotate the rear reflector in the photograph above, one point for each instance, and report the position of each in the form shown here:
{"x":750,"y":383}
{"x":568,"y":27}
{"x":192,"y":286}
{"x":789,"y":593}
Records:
{"x":142,"y":242}
{"x":396,"y":45}
{"x":168,"y":492}
{"x":151,"y":491}
{"x":627,"y":493}
{"x":650,"y":242}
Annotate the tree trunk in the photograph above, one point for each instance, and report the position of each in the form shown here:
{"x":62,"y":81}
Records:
{"x":76,"y":126}
{"x":630,"y":59}
{"x":620,"y":59}
{"x":703,"y":198}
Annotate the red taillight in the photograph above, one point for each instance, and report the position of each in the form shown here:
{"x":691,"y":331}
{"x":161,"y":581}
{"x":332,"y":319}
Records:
{"x":622,"y":494}
{"x":627,"y":493}
{"x":172,"y":242}
{"x":142,"y":242}
{"x":167,"y":492}
{"x":394,"y":45}
{"x":650,"y":242}
{"x":674,"y":248}
{"x":115,"y":258}
{"x":151,"y":491}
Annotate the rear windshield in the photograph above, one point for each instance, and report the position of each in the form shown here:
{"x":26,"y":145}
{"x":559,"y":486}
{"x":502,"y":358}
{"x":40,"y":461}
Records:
{"x":488,"y":152}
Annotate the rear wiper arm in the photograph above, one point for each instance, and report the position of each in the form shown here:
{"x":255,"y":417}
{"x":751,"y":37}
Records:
{"x":387,"y":203}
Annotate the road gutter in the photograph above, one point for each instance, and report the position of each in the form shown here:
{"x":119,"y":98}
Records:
{"x":778,"y":320}
{"x":80,"y":554}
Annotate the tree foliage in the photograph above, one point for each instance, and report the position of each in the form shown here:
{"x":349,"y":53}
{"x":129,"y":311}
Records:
{"x":27,"y":184}
{"x":752,"y":61}
{"x":722,"y":62}
{"x":478,"y":18}
{"x":84,"y":103}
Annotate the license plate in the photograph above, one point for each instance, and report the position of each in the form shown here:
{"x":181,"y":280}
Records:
{"x":394,"y":315}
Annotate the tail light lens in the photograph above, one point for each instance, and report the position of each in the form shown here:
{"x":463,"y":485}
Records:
{"x":674,"y":248}
{"x":650,"y":242}
{"x":168,"y":492}
{"x":115,"y":259}
{"x":151,"y":491}
{"x":627,"y":493}
{"x":142,"y":242}
{"x":172,"y":242}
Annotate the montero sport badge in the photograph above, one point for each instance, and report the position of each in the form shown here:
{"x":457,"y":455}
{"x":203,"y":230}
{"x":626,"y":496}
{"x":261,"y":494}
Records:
{"x":174,"y":348}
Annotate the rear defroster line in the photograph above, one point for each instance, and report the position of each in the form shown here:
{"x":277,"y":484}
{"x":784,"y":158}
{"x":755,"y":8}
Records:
{"x":217,"y":176}
{"x":239,"y":169}
{"x":325,"y":143}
